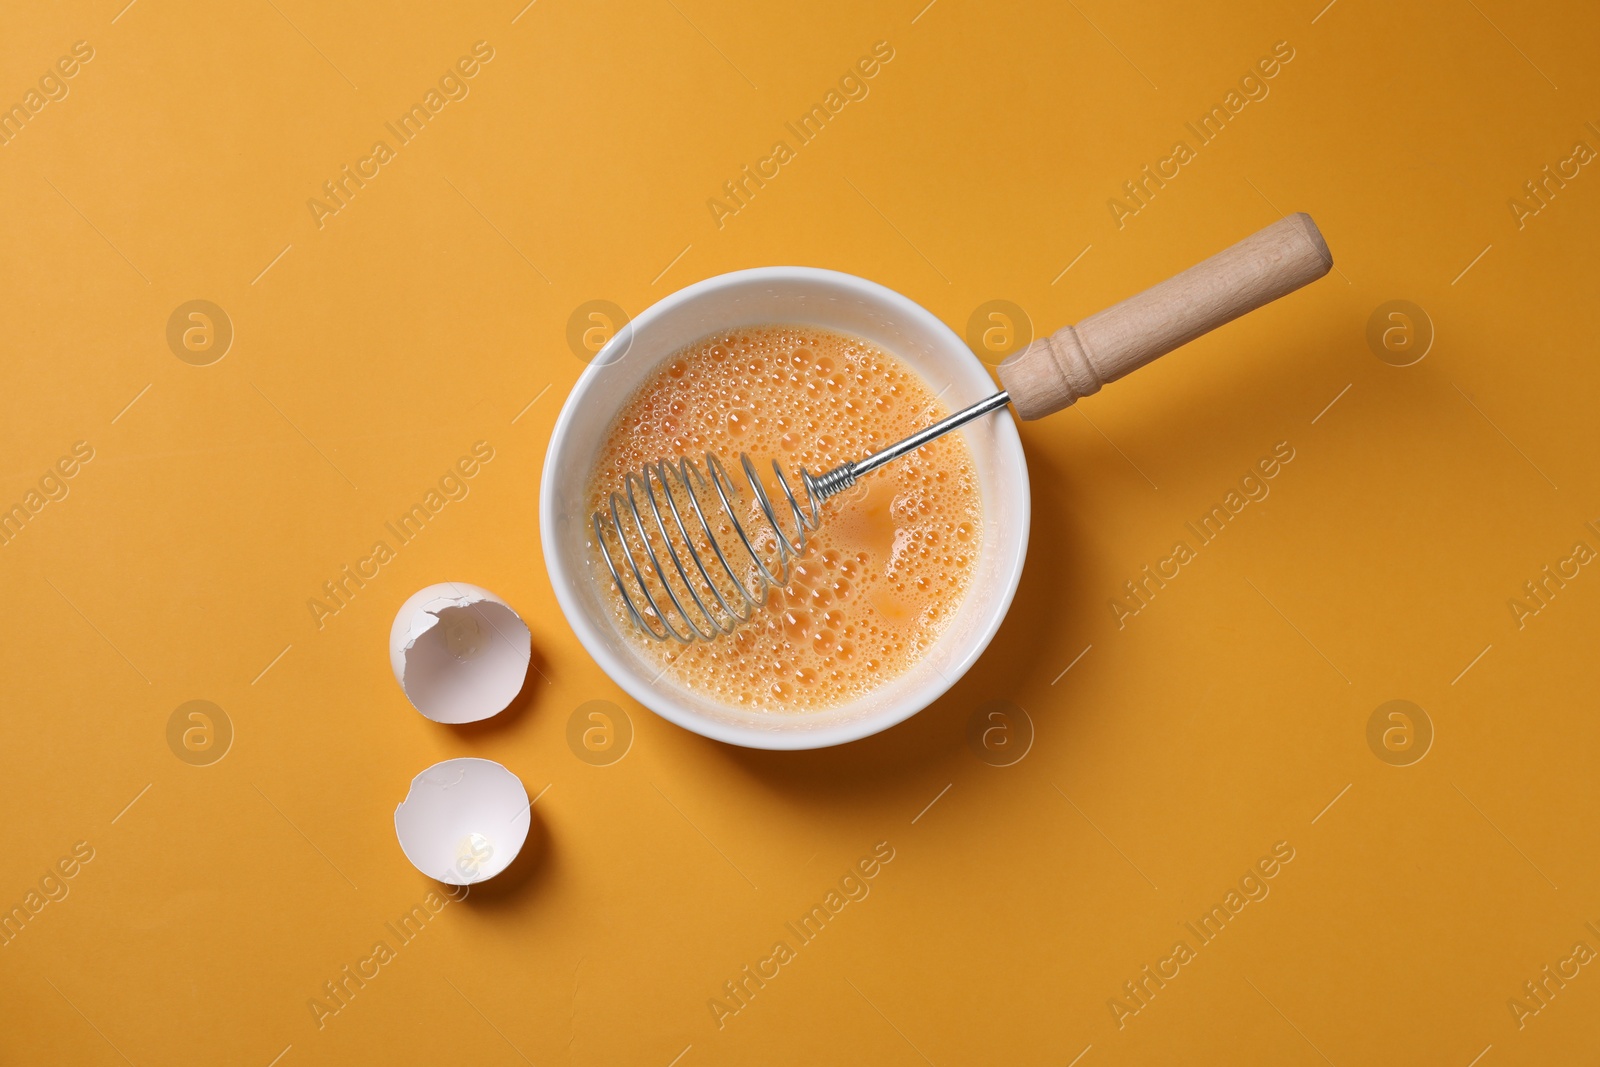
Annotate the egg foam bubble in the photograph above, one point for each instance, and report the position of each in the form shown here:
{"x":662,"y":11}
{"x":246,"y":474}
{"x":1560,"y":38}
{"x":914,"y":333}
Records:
{"x":894,"y":555}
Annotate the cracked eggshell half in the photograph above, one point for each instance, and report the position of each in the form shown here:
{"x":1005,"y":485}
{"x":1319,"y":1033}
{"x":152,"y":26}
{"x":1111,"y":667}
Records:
{"x":463,"y":821}
{"x":459,"y":652}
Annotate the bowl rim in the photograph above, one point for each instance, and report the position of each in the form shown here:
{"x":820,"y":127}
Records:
{"x":661,"y":703}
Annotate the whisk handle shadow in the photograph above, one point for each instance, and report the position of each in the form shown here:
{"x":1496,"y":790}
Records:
{"x":1076,"y":361}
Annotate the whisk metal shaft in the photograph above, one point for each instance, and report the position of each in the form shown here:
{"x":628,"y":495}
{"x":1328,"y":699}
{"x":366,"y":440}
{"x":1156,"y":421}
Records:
{"x":676,"y":551}
{"x":922,"y":437}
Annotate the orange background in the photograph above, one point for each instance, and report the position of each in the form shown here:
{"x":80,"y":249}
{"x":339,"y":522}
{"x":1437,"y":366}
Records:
{"x":427,"y":314}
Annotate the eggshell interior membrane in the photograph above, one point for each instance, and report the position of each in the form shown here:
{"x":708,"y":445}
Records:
{"x":459,"y":652}
{"x":463,"y":821}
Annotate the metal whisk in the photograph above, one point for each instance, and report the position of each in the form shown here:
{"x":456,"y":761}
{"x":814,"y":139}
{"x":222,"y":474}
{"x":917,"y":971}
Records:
{"x":692,"y":570}
{"x":647,"y":520}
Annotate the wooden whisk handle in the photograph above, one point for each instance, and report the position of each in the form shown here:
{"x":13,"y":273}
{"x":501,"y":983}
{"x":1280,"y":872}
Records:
{"x":1075,"y":361}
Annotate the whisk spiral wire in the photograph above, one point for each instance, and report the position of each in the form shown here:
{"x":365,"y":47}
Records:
{"x":691,"y":569}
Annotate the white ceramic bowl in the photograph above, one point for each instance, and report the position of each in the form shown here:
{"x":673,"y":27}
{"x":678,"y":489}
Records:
{"x":778,"y":295}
